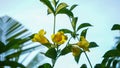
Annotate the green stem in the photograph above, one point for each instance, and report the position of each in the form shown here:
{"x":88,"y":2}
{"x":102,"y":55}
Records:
{"x":54,"y":24}
{"x":88,"y":58}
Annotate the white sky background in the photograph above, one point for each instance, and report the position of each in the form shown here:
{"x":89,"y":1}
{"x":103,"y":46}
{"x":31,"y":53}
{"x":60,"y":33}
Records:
{"x":102,"y":14}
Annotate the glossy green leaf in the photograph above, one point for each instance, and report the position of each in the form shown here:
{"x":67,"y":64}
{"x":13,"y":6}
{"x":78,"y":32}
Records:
{"x":74,"y":22}
{"x":78,"y":57}
{"x":66,"y":11}
{"x":84,"y":32}
{"x":66,"y":50}
{"x":83,"y":25}
{"x":92,"y":45}
{"x":73,"y":6}
{"x":112,"y":53}
{"x":116,"y":27}
{"x":48,"y":4}
{"x":118,"y":46}
{"x":11,"y":64}
{"x":66,"y":31}
{"x":46,"y":65}
{"x":83,"y":66}
{"x":51,"y":53}
{"x":60,"y":7}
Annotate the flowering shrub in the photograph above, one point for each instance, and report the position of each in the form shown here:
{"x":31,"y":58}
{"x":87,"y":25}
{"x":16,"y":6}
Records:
{"x":61,"y":38}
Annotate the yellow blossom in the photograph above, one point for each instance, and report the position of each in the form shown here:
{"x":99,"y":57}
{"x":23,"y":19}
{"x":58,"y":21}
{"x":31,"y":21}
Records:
{"x":83,"y":43}
{"x":59,"y":38}
{"x":75,"y":50}
{"x":39,"y":37}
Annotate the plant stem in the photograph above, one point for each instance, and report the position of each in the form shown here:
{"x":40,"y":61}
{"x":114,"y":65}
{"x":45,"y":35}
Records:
{"x":88,"y":58}
{"x":54,"y":24}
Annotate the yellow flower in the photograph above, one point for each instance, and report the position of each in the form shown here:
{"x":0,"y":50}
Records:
{"x":83,"y":44}
{"x":75,"y":50}
{"x":59,"y":38}
{"x":39,"y":37}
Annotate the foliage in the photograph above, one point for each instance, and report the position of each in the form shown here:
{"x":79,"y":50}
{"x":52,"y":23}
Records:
{"x":111,"y":57}
{"x":59,"y":38}
{"x":13,"y":39}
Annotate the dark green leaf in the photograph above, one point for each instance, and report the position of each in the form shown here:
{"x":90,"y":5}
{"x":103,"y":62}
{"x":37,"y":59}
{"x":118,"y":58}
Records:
{"x":98,"y":66}
{"x":92,"y":45}
{"x":109,"y":62}
{"x":78,"y":57}
{"x":54,"y":2}
{"x":83,"y":25}
{"x":73,"y":6}
{"x":11,"y":64}
{"x":66,"y":11}
{"x":66,"y":50}
{"x":2,"y":47}
{"x":74,"y":22}
{"x":83,"y":66}
{"x":112,"y":53}
{"x":66,"y":31}
{"x":115,"y":63}
{"x":116,"y":27}
{"x":84,"y":32}
{"x":51,"y":53}
{"x":104,"y":62}
{"x":60,"y":7}
{"x":48,"y":4}
{"x":46,"y":65}
{"x":118,"y":46}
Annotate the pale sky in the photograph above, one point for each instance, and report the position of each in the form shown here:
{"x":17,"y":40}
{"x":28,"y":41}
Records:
{"x":102,"y":14}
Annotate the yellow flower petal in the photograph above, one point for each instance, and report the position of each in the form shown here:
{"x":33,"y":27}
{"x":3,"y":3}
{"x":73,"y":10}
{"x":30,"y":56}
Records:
{"x":39,"y":37}
{"x":83,"y":44}
{"x":59,"y":38}
{"x":75,"y":50}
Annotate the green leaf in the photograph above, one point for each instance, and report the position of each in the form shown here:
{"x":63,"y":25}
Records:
{"x":21,"y":52}
{"x":118,"y":46}
{"x":66,"y":50}
{"x":66,"y":11}
{"x":78,"y":57}
{"x":116,"y":27}
{"x":83,"y":25}
{"x":115,"y":63}
{"x":98,"y":66}
{"x":51,"y":53}
{"x":112,"y":53}
{"x":2,"y":47}
{"x":104,"y":62}
{"x":48,"y":4}
{"x":60,"y":7}
{"x":55,"y":2}
{"x":84,"y":32}
{"x":109,"y":62}
{"x":11,"y":64}
{"x":73,"y":6}
{"x":92,"y":45}
{"x":74,"y":22}
{"x":66,"y":31}
{"x":83,"y":66}
{"x":46,"y":65}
